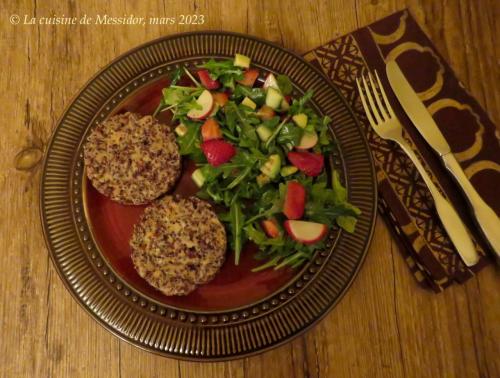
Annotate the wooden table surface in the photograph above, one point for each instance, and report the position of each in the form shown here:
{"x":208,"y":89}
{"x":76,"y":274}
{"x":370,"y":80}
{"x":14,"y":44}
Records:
{"x":385,"y":325}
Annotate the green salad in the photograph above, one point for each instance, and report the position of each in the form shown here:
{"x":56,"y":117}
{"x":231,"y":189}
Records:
{"x":261,"y":154}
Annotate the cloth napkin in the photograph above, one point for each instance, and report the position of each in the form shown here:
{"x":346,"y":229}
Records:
{"x":404,"y":199}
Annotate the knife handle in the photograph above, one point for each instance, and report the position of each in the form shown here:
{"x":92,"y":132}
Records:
{"x":452,"y":223}
{"x":485,"y":216}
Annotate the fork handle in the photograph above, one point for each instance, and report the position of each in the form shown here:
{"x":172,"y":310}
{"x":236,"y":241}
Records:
{"x":452,"y":223}
{"x":485,"y":216}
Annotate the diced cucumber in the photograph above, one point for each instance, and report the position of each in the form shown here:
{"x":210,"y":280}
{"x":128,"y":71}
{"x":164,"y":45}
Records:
{"x":198,"y":177}
{"x":248,"y":102}
{"x":263,"y":179}
{"x":264,"y":133}
{"x":288,"y":170}
{"x":273,"y":98}
{"x":241,"y":61}
{"x":300,"y":120}
{"x":272,"y":166}
{"x":181,"y":130}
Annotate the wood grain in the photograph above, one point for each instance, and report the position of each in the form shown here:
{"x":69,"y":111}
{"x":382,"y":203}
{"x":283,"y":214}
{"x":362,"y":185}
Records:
{"x":385,"y":325}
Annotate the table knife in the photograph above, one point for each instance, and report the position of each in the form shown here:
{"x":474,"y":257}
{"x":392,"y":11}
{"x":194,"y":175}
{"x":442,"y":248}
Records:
{"x":486,"y":218}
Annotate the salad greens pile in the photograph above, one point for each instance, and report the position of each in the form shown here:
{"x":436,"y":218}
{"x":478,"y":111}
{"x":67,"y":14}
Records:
{"x":260,"y":154}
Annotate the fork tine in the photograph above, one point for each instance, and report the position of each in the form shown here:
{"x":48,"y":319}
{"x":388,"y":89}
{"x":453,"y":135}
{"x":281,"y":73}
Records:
{"x":365,"y":105}
{"x":373,"y":107}
{"x":386,"y":101}
{"x":377,"y":97}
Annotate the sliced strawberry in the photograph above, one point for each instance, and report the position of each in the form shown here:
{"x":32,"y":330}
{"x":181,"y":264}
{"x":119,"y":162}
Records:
{"x":295,"y":200}
{"x":210,"y":130}
{"x":266,"y":113}
{"x":271,"y":228}
{"x":207,"y":81}
{"x":220,"y":98}
{"x":309,"y":163}
{"x":218,"y":151}
{"x":249,"y":77}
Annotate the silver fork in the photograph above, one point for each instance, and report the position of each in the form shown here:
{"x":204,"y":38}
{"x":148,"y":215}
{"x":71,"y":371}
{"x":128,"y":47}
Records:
{"x":383,"y":120}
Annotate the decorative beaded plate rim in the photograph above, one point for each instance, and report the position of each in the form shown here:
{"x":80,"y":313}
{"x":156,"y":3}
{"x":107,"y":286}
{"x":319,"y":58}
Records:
{"x":163,"y":329}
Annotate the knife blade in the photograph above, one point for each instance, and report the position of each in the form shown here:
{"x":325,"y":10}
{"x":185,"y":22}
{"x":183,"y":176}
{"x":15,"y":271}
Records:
{"x":487,"y":219}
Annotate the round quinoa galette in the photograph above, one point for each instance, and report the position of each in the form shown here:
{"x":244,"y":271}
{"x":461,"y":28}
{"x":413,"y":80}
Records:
{"x":132,"y":159}
{"x":178,"y":244}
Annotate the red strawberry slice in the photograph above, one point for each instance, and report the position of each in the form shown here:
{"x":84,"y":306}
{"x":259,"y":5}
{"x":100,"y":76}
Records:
{"x":218,"y":151}
{"x":249,"y":77}
{"x":207,"y":81}
{"x":308,"y":162}
{"x":295,"y":200}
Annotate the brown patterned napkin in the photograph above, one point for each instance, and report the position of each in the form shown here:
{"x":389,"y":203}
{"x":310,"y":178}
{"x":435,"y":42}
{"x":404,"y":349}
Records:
{"x":404,"y":199}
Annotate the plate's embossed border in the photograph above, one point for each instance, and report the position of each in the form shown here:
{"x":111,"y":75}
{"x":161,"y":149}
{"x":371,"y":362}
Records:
{"x":191,"y":334}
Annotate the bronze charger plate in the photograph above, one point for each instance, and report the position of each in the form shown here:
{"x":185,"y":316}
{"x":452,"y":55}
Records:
{"x":190,"y":330}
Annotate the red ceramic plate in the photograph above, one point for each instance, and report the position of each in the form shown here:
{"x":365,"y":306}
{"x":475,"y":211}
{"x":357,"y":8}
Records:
{"x":239,"y":312}
{"x":112,"y":224}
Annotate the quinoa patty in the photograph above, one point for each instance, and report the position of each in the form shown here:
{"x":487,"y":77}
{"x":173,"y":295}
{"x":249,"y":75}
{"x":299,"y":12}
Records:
{"x":132,"y":159}
{"x":178,"y":244}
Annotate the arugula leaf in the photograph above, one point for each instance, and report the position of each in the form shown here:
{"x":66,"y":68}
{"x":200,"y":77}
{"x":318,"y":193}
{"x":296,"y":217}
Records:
{"x":242,"y":164}
{"x":184,"y":107}
{"x":227,"y":81}
{"x":272,"y":123}
{"x":318,"y":212}
{"x":328,"y":205}
{"x":239,"y":178}
{"x":230,"y":111}
{"x":190,"y":141}
{"x":213,"y":192}
{"x":270,"y":263}
{"x":242,"y":119}
{"x":236,"y":225}
{"x":298,"y":105}
{"x":175,"y":76}
{"x":290,"y":135}
{"x":269,"y":203}
{"x":210,"y":173}
{"x":257,"y":95}
{"x":172,"y":96}
{"x":175,"y":95}
{"x":276,"y":132}
{"x":222,"y":67}
{"x":289,"y":253}
{"x":249,"y":136}
{"x":284,"y":84}
{"x":324,"y":132}
{"x":339,"y":192}
{"x":225,"y":71}
{"x":348,"y":222}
